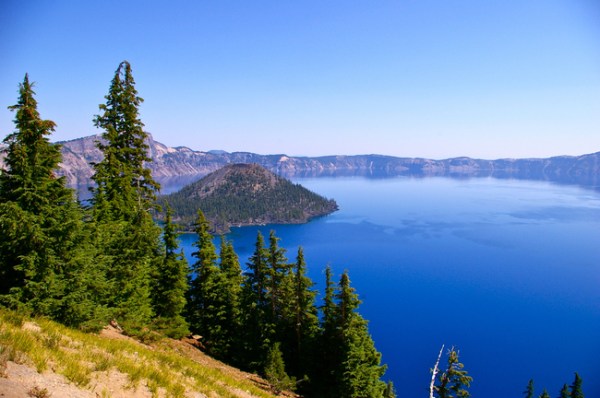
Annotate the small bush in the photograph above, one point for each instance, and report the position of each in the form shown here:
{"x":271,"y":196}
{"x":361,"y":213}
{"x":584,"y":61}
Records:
{"x":38,"y":392}
{"x":52,"y":340}
{"x":102,"y":362}
{"x":80,"y":375}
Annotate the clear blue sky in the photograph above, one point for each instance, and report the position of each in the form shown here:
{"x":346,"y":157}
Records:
{"x":423,"y":78}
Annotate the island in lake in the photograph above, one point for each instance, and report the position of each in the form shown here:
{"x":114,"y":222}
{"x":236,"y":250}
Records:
{"x":245,"y":194}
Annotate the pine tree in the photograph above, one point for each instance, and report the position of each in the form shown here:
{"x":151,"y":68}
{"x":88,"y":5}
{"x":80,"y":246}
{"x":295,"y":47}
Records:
{"x":41,"y":229}
{"x":306,"y":321}
{"x":329,"y":307}
{"x":529,"y":391}
{"x":329,"y":344}
{"x":576,"y":390}
{"x":170,"y":284}
{"x":564,"y":392}
{"x":257,"y":335}
{"x":275,"y":371}
{"x":229,"y":345}
{"x":255,"y":282}
{"x":454,"y":381}
{"x":361,"y":370}
{"x":544,"y":394}
{"x":205,"y":302}
{"x":128,"y":240}
{"x":277,"y":271}
{"x":213,"y":305}
{"x":347,"y":301}
{"x":390,"y":391}
{"x":125,"y":186}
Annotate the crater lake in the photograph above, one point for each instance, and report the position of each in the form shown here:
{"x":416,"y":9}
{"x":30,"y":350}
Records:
{"x":507,"y":271}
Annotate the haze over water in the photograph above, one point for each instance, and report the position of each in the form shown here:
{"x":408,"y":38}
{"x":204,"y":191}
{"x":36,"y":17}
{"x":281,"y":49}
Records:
{"x":506,"y":270}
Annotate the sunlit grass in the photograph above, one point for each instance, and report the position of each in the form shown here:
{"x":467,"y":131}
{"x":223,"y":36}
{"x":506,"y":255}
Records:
{"x":80,"y":357}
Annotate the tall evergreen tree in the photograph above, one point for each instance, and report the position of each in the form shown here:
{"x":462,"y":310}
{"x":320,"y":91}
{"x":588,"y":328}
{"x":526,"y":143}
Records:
{"x":281,"y":294}
{"x":205,"y":305}
{"x":306,"y":321}
{"x":361,"y":370}
{"x":124,"y":185}
{"x":41,"y":230}
{"x":545,"y":394}
{"x":170,"y":284}
{"x":231,"y":280}
{"x":329,"y":344}
{"x":257,"y":334}
{"x":329,"y":307}
{"x":576,"y":389}
{"x":126,"y":236}
{"x":230,"y":265}
{"x":277,"y":271}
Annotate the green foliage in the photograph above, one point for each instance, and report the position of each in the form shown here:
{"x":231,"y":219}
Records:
{"x":43,"y":252}
{"x":125,"y":235}
{"x":228,"y":343}
{"x":576,"y":387}
{"x":170,"y":285}
{"x":211,"y":295}
{"x":529,"y":391}
{"x":390,"y":391}
{"x":564,"y":392}
{"x":127,"y":254}
{"x":275,"y":371}
{"x":361,"y":367}
{"x":545,"y":394}
{"x":204,"y":272}
{"x":574,"y":390}
{"x":454,"y":381}
{"x":124,"y":186}
{"x":328,"y":343}
{"x":280,"y":297}
{"x":256,"y":332}
{"x":305,"y":319}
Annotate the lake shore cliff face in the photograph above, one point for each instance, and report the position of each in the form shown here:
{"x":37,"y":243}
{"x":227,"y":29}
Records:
{"x":180,"y":162}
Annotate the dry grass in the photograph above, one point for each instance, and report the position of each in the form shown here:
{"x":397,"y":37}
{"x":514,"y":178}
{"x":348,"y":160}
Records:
{"x":166,"y":368}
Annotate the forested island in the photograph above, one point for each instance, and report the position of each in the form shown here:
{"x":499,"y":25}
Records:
{"x":245,"y":194}
{"x":110,"y":262}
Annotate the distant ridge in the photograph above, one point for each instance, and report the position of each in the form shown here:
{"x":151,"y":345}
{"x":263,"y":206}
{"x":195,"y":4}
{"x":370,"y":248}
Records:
{"x":182,"y":162}
{"x":246,"y":194}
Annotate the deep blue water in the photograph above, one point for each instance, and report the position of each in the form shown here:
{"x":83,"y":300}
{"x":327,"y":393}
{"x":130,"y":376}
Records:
{"x":508,"y":271}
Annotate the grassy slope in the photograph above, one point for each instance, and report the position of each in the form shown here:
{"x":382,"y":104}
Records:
{"x":165,"y":368}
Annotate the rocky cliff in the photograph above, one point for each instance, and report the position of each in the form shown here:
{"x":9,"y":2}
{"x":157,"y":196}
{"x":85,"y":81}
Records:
{"x":181,"y":165}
